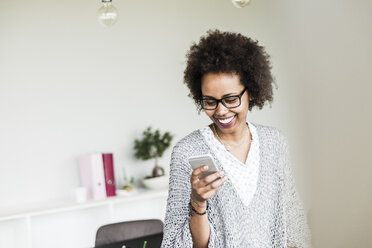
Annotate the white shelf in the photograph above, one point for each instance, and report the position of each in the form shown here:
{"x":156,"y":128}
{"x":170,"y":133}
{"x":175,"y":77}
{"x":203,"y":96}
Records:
{"x":141,"y":194}
{"x":39,"y":227}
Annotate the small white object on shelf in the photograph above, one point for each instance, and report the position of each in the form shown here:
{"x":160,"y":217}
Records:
{"x":156,"y":182}
{"x":81,"y":194}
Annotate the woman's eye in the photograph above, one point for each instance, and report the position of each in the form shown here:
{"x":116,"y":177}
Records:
{"x":209,"y":103}
{"x":231,"y":100}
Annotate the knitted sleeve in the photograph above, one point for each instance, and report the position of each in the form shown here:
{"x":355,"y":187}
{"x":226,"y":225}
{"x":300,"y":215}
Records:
{"x":177,"y":219}
{"x":296,"y":227}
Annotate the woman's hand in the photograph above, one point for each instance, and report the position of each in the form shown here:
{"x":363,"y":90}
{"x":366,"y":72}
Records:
{"x":203,"y":189}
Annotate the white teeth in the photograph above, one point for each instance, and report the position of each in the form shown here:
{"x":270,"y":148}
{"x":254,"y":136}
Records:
{"x":225,"y":121}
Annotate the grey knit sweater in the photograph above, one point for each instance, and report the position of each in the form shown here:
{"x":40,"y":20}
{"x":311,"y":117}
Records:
{"x":274,"y":218}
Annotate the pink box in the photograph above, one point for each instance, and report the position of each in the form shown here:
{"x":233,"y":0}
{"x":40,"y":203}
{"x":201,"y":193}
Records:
{"x":92,"y":175}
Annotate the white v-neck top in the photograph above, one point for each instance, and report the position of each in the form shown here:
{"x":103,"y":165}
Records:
{"x":244,"y":177}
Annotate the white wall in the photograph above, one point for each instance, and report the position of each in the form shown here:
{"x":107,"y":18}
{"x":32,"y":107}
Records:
{"x":330,"y":57}
{"x":69,"y":86}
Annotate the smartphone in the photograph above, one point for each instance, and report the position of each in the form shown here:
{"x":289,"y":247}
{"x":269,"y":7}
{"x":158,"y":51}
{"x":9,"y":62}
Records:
{"x":201,"y":160}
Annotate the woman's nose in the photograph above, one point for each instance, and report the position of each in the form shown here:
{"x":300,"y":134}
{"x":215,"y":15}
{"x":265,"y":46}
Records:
{"x":221,"y":109}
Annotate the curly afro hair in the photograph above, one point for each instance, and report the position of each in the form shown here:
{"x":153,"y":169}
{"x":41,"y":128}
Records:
{"x":226,"y":52}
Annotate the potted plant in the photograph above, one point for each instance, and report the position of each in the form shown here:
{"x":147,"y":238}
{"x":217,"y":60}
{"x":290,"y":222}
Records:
{"x":152,"y":146}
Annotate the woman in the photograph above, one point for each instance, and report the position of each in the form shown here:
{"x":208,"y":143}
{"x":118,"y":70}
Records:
{"x":251,"y":201}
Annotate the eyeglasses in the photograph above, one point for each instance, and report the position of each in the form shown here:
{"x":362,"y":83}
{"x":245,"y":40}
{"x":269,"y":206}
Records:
{"x":228,"y":101}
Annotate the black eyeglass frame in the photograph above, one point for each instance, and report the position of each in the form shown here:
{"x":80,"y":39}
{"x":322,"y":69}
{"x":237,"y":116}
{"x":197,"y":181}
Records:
{"x":221,"y":101}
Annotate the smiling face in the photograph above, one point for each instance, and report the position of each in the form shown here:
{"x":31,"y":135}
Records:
{"x":218,"y":86}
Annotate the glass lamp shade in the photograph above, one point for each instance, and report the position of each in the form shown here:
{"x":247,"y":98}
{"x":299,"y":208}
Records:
{"x":240,"y":3}
{"x":107,"y":14}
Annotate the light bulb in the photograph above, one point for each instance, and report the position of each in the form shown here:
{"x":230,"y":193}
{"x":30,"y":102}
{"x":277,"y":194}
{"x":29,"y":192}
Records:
{"x":240,"y":3}
{"x":107,"y":14}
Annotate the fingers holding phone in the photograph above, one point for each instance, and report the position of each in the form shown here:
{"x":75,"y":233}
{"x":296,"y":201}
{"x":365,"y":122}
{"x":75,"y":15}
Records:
{"x":205,"y":179}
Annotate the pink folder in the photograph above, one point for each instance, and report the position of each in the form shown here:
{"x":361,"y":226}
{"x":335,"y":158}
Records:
{"x":92,"y":175}
{"x":108,"y":167}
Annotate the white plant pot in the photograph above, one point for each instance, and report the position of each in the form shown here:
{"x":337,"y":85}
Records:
{"x":156,"y":182}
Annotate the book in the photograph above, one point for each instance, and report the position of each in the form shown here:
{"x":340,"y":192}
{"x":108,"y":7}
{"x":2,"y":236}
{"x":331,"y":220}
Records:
{"x":92,"y":175}
{"x":108,"y":167}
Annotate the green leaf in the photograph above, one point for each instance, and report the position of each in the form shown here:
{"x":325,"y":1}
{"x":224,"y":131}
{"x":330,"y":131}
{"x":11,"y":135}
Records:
{"x":152,"y":144}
